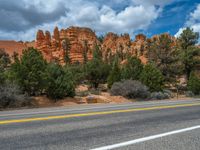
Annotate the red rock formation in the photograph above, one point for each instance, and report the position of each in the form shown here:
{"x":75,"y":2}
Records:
{"x":79,"y":40}
{"x":139,"y":47}
{"x":12,"y":46}
{"x":116,"y":43}
{"x":53,"y":47}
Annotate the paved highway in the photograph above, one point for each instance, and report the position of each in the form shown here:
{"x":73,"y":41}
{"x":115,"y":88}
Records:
{"x":158,"y":125}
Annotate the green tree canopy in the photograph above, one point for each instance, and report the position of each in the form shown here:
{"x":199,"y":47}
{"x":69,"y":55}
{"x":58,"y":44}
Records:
{"x":66,"y":46}
{"x":115,"y":73}
{"x":30,"y":71}
{"x":4,"y":65}
{"x":60,"y":82}
{"x":96,"y":70}
{"x":164,"y":53}
{"x":194,"y":83}
{"x":152,"y":77}
{"x":132,"y":69}
{"x":190,"y":53}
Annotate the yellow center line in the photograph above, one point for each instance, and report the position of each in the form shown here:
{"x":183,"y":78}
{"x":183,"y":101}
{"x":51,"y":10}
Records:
{"x":95,"y":113}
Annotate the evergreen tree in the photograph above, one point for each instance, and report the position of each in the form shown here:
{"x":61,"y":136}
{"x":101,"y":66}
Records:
{"x":66,"y":46}
{"x":30,"y":71}
{"x":152,"y":77}
{"x":194,"y":83}
{"x":101,"y":38}
{"x":165,"y":54}
{"x":96,"y":70}
{"x":4,"y":65}
{"x":132,"y":69}
{"x":60,"y":82}
{"x":115,"y":73}
{"x":188,"y":39}
{"x":85,"y":51}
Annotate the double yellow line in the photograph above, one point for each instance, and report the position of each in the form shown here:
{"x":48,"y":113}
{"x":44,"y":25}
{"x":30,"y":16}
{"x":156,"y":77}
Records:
{"x":95,"y":113}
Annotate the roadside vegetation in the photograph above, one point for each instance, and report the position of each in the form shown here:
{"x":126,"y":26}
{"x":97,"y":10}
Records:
{"x":22,"y":78}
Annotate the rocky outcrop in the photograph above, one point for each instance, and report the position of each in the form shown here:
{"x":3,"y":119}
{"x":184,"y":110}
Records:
{"x":75,"y":40}
{"x":123,"y":44}
{"x":12,"y":46}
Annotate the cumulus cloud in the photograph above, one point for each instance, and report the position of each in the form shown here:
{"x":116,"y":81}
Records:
{"x":192,"y":22}
{"x":21,"y":19}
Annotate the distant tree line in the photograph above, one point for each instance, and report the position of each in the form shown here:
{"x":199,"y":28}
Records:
{"x":31,"y":75}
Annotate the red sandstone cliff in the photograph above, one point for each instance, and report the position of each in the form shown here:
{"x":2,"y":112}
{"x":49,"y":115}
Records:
{"x":53,"y":47}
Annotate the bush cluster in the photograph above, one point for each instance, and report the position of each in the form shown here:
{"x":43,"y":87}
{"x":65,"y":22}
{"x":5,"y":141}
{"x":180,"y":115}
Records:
{"x":130,"y":89}
{"x":165,"y":94}
{"x":11,"y":96}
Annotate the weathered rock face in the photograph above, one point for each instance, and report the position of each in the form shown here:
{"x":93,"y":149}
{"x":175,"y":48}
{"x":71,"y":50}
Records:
{"x":139,"y":47}
{"x":78,"y":39}
{"x":114,"y":43}
{"x":84,"y":39}
{"x":12,"y":46}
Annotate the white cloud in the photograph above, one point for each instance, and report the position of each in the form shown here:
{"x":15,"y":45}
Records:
{"x":100,"y":15}
{"x":192,"y":22}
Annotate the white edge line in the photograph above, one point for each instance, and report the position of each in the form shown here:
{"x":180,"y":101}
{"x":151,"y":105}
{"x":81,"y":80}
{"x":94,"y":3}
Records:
{"x":127,"y":143}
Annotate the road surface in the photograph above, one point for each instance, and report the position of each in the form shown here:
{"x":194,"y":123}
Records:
{"x":158,"y":125}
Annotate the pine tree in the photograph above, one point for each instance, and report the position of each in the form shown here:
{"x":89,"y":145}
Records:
{"x":4,"y":65}
{"x":66,"y":46}
{"x":96,"y":70}
{"x":85,"y":51}
{"x":165,"y":54}
{"x":60,"y":82}
{"x":190,"y":52}
{"x":152,"y":77}
{"x":30,"y":71}
{"x":132,"y":69}
{"x":115,"y":73}
{"x":194,"y":84}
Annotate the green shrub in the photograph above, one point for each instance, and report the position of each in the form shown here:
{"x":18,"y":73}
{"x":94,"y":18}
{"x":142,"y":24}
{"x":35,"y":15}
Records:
{"x":96,"y":70}
{"x":152,"y":77}
{"x":78,"y":71}
{"x":132,"y":70}
{"x":166,"y":94}
{"x":60,"y":82}
{"x":30,"y":71}
{"x":130,"y":89}
{"x":189,"y":94}
{"x":194,"y":84}
{"x":11,"y":96}
{"x":4,"y":65}
{"x":115,"y":74}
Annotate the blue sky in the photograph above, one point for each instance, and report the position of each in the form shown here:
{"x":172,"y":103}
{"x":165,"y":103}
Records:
{"x":21,"y":19}
{"x":173,"y":17}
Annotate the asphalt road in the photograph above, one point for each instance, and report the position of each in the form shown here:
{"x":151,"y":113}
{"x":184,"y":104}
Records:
{"x":158,"y":125}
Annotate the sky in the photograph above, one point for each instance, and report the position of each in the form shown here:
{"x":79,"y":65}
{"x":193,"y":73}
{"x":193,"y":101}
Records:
{"x":20,"y":19}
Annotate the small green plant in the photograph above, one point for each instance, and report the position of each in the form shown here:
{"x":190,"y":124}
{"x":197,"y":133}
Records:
{"x":194,"y":84}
